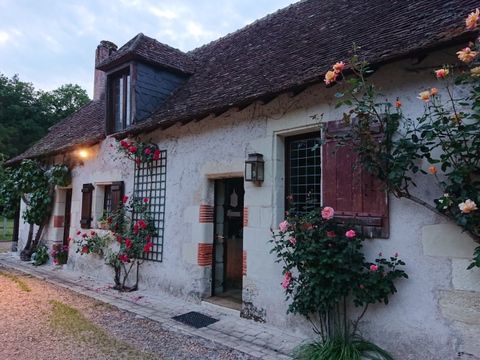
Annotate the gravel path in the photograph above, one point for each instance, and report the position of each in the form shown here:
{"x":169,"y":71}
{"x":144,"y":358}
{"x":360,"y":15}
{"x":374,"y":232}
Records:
{"x":42,"y":321}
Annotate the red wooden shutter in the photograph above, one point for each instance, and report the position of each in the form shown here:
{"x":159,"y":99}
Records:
{"x":355,"y":194}
{"x":87,"y":192}
{"x":117,"y":189}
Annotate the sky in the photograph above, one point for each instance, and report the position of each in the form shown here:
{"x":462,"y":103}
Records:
{"x":50,"y":43}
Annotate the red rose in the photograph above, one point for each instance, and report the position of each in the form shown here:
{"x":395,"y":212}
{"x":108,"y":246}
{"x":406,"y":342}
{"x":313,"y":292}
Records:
{"x":84,"y":236}
{"x":148,"y":237}
{"x":146,"y":200}
{"x":128,"y":243}
{"x":93,"y":233}
{"x":148,"y":151}
{"x":125,"y":199}
{"x":119,"y":239}
{"x":156,"y":154}
{"x":148,"y":247}
{"x":123,"y":258}
{"x":141,"y":224}
{"x":124,"y":144}
{"x":85,"y":249}
{"x":79,"y":232}
{"x":132,"y":149}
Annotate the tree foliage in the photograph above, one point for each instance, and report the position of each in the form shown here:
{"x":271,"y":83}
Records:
{"x":27,"y":113}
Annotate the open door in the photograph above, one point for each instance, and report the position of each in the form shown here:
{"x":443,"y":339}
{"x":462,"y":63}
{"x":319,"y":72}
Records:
{"x":68,"y":209}
{"x":228,"y":242}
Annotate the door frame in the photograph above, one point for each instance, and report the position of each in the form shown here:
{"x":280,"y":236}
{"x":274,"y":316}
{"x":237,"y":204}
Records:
{"x":214,"y":252}
{"x":67,"y":216}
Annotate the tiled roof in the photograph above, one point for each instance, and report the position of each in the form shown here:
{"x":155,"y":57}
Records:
{"x":297,"y":45}
{"x":144,"y":48}
{"x":84,"y":127}
{"x":287,"y":50}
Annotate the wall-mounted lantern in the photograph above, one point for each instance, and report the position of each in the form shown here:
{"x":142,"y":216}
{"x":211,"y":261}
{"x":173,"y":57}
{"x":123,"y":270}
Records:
{"x":254,"y":168}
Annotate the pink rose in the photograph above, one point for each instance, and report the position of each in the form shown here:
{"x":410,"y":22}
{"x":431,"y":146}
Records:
{"x":147,"y":151}
{"x":287,"y":279}
{"x":327,"y":213}
{"x":350,"y":234}
{"x":283,"y":226}
{"x":292,"y":240}
{"x":373,"y":267}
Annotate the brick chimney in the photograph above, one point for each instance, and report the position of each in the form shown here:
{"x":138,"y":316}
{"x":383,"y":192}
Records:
{"x":104,"y":49}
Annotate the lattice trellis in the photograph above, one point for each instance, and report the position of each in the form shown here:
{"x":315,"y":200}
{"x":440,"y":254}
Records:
{"x":150,"y":182}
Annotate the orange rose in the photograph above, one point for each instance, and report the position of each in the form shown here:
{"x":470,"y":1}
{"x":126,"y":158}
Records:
{"x":472,"y":20}
{"x":433,"y":91}
{"x":338,"y":67}
{"x":330,"y":77}
{"x":432,"y":170}
{"x":424,"y":96}
{"x":466,"y":55}
{"x":398,"y":104}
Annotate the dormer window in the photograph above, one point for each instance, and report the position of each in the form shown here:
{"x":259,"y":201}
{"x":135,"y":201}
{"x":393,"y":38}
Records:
{"x":120,"y":101}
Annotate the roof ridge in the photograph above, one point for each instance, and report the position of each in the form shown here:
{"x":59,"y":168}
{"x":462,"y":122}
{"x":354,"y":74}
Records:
{"x":136,"y":42}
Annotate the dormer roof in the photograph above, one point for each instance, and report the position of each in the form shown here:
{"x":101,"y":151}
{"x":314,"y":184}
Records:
{"x":144,"y":48}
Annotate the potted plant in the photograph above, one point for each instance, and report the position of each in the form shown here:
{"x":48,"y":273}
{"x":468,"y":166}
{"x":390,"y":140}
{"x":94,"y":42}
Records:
{"x":103,"y":221}
{"x":59,"y":254}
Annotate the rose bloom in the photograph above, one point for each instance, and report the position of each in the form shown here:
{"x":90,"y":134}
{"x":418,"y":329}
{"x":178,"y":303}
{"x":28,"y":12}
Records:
{"x":350,"y":234}
{"x":466,"y":55}
{"x":472,"y":20}
{"x":475,"y":71}
{"x":330,"y":77}
{"x":148,"y":247}
{"x":283,"y":226}
{"x":338,"y":67}
{"x":373,"y":267}
{"x":132,"y":149}
{"x":432,"y":170}
{"x":292,"y":240}
{"x":287,"y":279}
{"x":424,"y":96}
{"x":398,"y":104}
{"x":146,"y":200}
{"x":441,"y":73}
{"x":125,"y":199}
{"x":156,"y":154}
{"x":147,"y":151}
{"x":327,"y":212}
{"x":467,"y":206}
{"x":433,"y":91}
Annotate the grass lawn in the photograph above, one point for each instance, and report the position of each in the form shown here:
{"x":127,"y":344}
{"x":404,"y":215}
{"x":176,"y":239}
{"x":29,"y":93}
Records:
{"x":6,"y":234}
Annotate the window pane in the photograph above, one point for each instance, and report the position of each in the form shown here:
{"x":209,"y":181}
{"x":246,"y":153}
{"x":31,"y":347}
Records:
{"x":304,"y":171}
{"x":128,"y":115}
{"x":117,"y":104}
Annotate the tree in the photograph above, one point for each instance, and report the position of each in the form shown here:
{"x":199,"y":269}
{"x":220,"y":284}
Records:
{"x":26,"y":114}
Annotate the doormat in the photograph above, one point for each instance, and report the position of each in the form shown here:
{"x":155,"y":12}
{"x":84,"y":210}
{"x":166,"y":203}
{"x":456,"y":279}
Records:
{"x":195,"y":319}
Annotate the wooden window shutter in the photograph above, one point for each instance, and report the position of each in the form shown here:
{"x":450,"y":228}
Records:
{"x":87,"y":192}
{"x":117,"y":189}
{"x":356,"y":195}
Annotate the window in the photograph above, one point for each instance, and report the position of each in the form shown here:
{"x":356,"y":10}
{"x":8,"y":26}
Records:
{"x":107,"y":200}
{"x":100,"y":199}
{"x":86,"y":218}
{"x":119,"y":101}
{"x":303,"y":171}
{"x":150,"y":182}
{"x":331,"y":175}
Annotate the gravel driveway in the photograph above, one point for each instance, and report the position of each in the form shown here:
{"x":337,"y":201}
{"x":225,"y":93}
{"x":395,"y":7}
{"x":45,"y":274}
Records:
{"x":42,"y":321}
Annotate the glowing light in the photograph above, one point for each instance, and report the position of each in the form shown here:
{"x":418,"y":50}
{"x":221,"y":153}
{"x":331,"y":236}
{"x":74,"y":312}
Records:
{"x":83,"y":153}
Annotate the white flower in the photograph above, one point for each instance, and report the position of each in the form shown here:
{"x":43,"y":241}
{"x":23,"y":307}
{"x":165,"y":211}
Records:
{"x":467,"y":207}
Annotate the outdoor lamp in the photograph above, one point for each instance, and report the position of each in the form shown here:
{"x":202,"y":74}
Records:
{"x":82,"y":154}
{"x":254,"y":168}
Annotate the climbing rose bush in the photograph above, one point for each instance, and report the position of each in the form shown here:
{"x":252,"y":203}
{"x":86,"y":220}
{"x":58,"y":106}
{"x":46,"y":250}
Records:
{"x":445,"y":136}
{"x":324,"y":266}
{"x":138,"y":151}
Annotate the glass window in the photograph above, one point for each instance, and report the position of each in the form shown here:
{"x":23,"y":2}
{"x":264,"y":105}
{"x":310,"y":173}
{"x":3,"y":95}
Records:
{"x":303,"y":171}
{"x":120,"y":109}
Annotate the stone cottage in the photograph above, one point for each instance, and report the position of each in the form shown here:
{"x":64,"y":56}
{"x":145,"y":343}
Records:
{"x":259,"y":93}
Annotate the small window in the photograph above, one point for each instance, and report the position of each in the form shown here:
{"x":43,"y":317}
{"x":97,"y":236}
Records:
{"x":107,"y":200}
{"x":119,"y":101}
{"x":303,"y":171}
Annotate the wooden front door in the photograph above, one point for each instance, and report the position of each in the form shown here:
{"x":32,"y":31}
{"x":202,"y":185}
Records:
{"x":228,"y":242}
{"x":68,"y":208}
